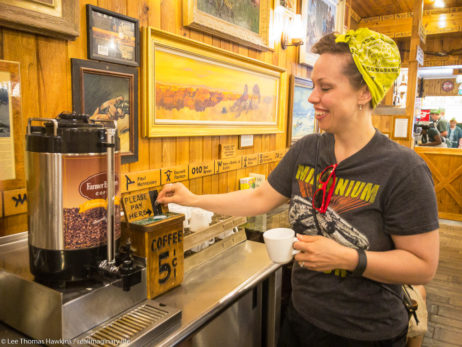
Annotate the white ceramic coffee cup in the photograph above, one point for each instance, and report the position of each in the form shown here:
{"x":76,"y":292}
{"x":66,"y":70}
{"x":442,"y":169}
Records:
{"x":279,"y":244}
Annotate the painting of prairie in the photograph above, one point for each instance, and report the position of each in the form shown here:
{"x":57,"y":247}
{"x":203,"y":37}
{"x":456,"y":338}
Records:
{"x":197,"y":90}
{"x":245,"y":13}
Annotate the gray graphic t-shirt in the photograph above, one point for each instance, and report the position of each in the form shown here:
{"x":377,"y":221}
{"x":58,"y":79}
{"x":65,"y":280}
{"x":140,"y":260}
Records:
{"x":384,"y":189}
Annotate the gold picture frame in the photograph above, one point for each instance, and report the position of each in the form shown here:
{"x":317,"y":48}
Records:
{"x":54,"y":18}
{"x":193,"y":89}
{"x":255,"y":36}
{"x":11,"y":131}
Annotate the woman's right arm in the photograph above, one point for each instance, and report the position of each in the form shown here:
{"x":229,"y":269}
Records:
{"x":248,"y":202}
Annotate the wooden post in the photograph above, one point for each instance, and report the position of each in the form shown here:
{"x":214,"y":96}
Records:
{"x":413,"y":66}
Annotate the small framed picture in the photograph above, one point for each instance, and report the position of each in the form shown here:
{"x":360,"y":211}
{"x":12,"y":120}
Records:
{"x":400,"y":128}
{"x":290,"y":5}
{"x":112,"y":37}
{"x":109,"y":92}
{"x":301,"y":112}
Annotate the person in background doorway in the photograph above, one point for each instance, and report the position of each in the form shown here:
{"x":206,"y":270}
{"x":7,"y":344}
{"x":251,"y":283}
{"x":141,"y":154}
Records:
{"x":431,"y":136}
{"x":441,"y":124}
{"x":454,"y":134}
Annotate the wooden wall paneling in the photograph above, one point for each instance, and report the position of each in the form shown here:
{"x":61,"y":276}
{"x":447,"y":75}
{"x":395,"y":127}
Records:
{"x":195,"y":156}
{"x":215,"y":141}
{"x":149,"y":150}
{"x":1,"y":43}
{"x":168,"y":16}
{"x":54,"y":72}
{"x":78,"y":47}
{"x":206,"y":156}
{"x":119,"y":6}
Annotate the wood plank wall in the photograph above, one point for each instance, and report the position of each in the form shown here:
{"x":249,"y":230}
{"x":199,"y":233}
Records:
{"x":433,"y":87}
{"x":46,"y":91}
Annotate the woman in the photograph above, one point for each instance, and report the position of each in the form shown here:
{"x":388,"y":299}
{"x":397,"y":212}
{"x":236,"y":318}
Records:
{"x":374,"y":224}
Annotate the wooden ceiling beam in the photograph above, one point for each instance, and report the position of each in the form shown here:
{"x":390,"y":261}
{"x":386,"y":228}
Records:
{"x":399,"y":25}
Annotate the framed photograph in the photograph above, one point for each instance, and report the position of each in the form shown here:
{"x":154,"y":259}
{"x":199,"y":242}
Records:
{"x":10,"y":122}
{"x":301,"y":112}
{"x":195,"y":89}
{"x":109,"y":92}
{"x":319,"y":18}
{"x":243,"y":21}
{"x":54,"y":18}
{"x":290,"y":5}
{"x":112,"y":37}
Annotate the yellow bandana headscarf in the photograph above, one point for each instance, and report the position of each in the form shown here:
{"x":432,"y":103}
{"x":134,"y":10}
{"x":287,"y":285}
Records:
{"x":377,"y":58}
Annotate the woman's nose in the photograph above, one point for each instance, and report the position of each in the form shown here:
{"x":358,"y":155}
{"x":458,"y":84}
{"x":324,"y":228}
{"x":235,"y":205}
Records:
{"x":314,"y":97}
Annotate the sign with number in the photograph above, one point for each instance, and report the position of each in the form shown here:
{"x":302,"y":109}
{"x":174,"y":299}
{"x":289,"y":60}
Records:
{"x":140,"y":180}
{"x":197,"y":170}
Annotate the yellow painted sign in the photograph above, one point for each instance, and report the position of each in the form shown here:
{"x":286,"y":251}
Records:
{"x":15,"y":201}
{"x":137,"y":205}
{"x":266,"y":157}
{"x":227,"y":151}
{"x":279,"y":154}
{"x":140,"y":180}
{"x":249,"y":160}
{"x":174,"y":174}
{"x":227,"y":165}
{"x":197,"y":170}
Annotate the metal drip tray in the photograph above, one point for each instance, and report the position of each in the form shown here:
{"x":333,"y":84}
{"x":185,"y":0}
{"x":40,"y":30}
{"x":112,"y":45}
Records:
{"x":134,"y":327}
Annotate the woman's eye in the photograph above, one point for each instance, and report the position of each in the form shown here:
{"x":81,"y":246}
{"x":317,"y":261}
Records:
{"x":324,"y":89}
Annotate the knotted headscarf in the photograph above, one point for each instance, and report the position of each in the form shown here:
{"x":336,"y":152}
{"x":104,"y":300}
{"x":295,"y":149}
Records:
{"x":377,"y":58}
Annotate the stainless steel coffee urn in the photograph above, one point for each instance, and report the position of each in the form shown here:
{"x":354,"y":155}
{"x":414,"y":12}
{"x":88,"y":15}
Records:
{"x":67,"y":192}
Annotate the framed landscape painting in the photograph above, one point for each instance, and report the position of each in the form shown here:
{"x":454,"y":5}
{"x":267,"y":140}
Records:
{"x":319,"y":18}
{"x":109,"y":92}
{"x":243,"y":21}
{"x":301,"y":112}
{"x":195,"y":89}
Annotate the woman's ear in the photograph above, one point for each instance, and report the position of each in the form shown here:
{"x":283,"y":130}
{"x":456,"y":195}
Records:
{"x":364,"y":96}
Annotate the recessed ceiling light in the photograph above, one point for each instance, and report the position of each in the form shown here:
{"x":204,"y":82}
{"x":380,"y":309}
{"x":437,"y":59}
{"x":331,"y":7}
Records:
{"x":439,"y":3}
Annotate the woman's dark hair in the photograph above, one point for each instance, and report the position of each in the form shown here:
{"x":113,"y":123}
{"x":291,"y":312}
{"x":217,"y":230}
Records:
{"x":327,"y":44}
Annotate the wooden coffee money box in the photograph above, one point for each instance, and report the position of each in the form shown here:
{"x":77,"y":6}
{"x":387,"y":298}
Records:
{"x":156,"y":237}
{"x":160,"y":242}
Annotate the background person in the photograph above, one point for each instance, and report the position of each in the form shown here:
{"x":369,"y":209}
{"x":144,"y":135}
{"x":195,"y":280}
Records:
{"x":454,"y":134}
{"x":431,"y":137}
{"x":441,"y":124}
{"x":380,"y":227}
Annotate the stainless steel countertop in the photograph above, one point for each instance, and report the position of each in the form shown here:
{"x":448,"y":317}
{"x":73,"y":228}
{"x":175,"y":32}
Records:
{"x":211,"y":287}
{"x":206,"y":290}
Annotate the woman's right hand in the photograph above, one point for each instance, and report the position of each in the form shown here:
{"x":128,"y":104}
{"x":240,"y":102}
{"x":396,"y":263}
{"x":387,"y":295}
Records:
{"x":176,"y":193}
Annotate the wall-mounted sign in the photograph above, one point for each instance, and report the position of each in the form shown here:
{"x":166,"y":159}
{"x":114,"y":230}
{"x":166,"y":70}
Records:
{"x":249,"y":160}
{"x":419,"y":56}
{"x":447,"y":86}
{"x":197,"y":170}
{"x":15,"y":201}
{"x":227,"y":165}
{"x":227,"y":151}
{"x":139,"y":180}
{"x":174,"y":174}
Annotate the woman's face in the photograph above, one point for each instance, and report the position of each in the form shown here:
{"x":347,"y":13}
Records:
{"x":334,"y":99}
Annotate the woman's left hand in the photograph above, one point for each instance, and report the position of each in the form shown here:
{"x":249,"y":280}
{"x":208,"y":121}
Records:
{"x":318,"y":253}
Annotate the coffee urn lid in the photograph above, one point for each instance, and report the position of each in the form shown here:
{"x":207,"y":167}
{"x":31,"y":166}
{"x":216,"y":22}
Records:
{"x":76,"y":133}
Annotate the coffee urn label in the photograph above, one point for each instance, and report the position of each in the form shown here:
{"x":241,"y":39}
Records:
{"x":95,"y":187}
